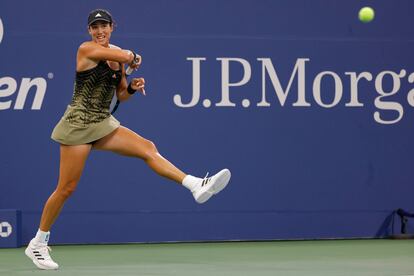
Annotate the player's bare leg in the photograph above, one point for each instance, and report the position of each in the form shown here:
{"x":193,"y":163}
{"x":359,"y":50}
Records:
{"x":72,"y":162}
{"x":126,"y":142}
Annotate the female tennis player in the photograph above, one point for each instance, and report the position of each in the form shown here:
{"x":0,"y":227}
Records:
{"x":87,"y":124}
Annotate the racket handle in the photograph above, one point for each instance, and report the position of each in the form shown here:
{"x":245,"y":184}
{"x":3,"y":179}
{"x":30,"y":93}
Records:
{"x":129,"y":71}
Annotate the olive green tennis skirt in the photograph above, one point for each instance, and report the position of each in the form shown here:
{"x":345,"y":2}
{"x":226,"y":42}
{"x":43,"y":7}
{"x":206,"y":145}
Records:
{"x":70,"y":134}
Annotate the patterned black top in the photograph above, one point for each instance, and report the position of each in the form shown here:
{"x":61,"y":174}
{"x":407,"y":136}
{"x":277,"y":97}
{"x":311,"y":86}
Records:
{"x":93,"y":93}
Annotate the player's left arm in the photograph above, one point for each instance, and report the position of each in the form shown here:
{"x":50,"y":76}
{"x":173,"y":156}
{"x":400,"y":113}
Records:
{"x":125,"y":90}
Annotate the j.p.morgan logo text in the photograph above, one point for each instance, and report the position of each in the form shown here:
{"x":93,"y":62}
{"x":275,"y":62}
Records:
{"x":282,"y":91}
{"x":10,"y":85}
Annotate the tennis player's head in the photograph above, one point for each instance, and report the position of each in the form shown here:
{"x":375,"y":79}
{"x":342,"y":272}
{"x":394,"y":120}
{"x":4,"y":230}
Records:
{"x":100,"y":26}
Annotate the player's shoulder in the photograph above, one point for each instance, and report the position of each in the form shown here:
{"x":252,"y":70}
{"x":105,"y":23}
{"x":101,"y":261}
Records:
{"x":87,"y":45}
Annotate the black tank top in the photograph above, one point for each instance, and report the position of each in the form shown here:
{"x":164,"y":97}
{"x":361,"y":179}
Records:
{"x":93,"y":93}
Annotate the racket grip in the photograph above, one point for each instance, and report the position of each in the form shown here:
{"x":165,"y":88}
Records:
{"x":129,"y":71}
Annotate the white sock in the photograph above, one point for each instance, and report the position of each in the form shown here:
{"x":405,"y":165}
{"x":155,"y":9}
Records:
{"x":42,"y":237}
{"x":190,"y":182}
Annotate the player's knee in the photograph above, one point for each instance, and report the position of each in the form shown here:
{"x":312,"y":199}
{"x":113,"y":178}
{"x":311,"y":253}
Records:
{"x":151,"y":150}
{"x":67,"y":189}
{"x":152,"y":147}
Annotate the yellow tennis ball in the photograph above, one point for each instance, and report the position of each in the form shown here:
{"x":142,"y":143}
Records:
{"x":366,"y":14}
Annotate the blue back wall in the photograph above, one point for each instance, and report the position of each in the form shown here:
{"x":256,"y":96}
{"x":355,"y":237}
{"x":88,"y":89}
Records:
{"x":310,"y":109}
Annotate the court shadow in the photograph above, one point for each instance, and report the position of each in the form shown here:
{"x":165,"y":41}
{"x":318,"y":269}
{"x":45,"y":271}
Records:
{"x":387,"y":227}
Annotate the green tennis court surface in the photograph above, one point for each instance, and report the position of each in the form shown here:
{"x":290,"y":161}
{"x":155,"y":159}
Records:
{"x":333,"y":257}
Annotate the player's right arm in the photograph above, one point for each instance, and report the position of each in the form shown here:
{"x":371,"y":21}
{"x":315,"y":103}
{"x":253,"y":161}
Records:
{"x":90,"y":53}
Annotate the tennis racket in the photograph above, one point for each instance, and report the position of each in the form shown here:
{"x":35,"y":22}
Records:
{"x":115,"y":102}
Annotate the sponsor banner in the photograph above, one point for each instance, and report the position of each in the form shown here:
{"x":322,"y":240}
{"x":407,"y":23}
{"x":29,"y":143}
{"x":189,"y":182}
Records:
{"x":313,"y":117}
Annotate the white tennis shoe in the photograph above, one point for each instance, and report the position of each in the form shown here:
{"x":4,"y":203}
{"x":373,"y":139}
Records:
{"x":39,"y":254}
{"x":209,"y":186}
